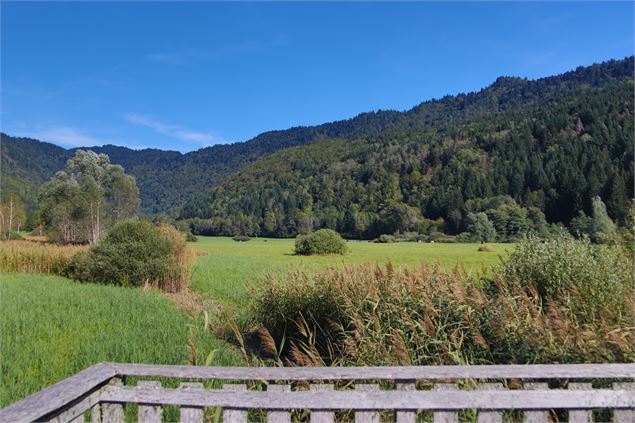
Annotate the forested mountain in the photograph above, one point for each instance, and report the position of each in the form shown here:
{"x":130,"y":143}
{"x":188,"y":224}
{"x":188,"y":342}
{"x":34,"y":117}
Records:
{"x":479,"y":144}
{"x":523,"y":152}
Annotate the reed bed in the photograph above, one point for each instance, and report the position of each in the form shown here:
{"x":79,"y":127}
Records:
{"x":386,"y":315}
{"x":36,"y":257}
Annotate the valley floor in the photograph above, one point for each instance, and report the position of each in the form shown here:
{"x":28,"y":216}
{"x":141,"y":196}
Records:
{"x":52,"y":327}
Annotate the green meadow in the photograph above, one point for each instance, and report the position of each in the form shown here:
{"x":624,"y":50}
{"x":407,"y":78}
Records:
{"x":52,"y":327}
{"x":223,"y":273}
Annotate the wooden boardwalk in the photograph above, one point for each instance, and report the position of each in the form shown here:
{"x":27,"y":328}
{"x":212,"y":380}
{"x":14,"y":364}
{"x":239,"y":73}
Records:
{"x":535,"y":393}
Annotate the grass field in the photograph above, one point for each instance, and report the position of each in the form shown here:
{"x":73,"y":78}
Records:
{"x":222,"y":273}
{"x":52,"y":328}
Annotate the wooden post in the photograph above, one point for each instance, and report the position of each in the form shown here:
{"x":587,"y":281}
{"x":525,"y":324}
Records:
{"x":232,"y":415}
{"x":536,"y":416}
{"x":486,"y":416}
{"x":580,"y":416}
{"x":191,"y":414}
{"x":624,"y":416}
{"x":112,"y":412}
{"x":322,"y":416}
{"x":445,"y":416}
{"x":150,"y":413}
{"x":406,"y":416}
{"x":279,"y":416}
{"x":366,"y":416}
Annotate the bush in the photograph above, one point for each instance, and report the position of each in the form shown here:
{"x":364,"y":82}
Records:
{"x":241,"y":238}
{"x":324,"y":241}
{"x":598,"y":276}
{"x":135,"y":253}
{"x":486,"y":249}
{"x":190,"y":237}
{"x":385,"y":239}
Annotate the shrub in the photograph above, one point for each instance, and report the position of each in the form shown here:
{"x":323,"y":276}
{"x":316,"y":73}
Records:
{"x":135,"y":253}
{"x":241,"y":238}
{"x":385,"y":239}
{"x":598,"y":276}
{"x":190,"y":237}
{"x":324,"y":241}
{"x":486,"y":248}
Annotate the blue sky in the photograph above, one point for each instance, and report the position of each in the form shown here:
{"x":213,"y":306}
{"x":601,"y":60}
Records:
{"x":183,"y":76}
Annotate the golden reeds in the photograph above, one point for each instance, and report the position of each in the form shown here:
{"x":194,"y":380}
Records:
{"x":36,"y":257}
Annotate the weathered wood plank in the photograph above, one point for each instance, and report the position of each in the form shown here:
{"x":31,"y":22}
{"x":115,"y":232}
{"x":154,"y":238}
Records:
{"x":95,"y":414}
{"x":279,"y":416}
{"x":322,"y":416}
{"x":445,"y":416}
{"x":366,"y":416}
{"x":112,"y":412}
{"x":78,"y":419}
{"x":536,"y":416}
{"x":384,"y":400}
{"x":406,"y":416}
{"x":580,"y":416}
{"x":232,"y":415}
{"x":488,"y":416}
{"x":150,"y":413}
{"x":624,"y":416}
{"x":191,"y":413}
{"x":75,"y":409}
{"x":520,"y":371}
{"x":54,"y":397}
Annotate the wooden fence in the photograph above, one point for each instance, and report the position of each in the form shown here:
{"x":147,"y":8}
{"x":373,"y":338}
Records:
{"x":497,"y":393}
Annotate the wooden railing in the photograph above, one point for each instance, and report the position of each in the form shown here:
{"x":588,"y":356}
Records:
{"x":530,"y":393}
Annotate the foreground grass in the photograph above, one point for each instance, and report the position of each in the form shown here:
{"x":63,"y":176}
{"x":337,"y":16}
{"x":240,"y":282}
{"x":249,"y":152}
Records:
{"x":222,"y":274}
{"x":51,"y":328}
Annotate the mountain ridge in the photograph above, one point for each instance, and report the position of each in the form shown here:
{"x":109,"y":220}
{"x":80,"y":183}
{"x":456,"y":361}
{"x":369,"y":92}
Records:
{"x":168,"y":179}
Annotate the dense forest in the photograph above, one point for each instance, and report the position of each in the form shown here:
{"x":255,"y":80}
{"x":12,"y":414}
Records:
{"x":516,"y":156}
{"x":523,"y":164}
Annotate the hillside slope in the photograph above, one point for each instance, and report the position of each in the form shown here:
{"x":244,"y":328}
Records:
{"x":520,"y":165}
{"x":168,"y":179}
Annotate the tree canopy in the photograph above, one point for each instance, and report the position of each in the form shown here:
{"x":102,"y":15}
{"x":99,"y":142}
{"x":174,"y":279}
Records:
{"x":88,"y":196}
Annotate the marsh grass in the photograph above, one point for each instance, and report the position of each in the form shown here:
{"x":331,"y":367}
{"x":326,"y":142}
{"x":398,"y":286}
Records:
{"x":36,"y":257}
{"x":386,"y":315}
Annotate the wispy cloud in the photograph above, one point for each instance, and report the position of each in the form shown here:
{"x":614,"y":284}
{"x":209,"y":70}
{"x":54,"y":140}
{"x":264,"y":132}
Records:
{"x":72,"y":137}
{"x":174,"y":131}
{"x":67,"y":136}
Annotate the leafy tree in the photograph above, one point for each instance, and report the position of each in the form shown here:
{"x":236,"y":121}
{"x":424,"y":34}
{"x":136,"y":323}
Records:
{"x":12,"y":215}
{"x":480,"y":227}
{"x":602,"y":227}
{"x":88,"y":196}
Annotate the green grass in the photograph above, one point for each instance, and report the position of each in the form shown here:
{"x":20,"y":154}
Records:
{"x":222,"y":274}
{"x":52,"y":328}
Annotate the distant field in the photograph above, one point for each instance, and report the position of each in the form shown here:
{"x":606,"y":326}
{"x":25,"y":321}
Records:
{"x":51,"y":328}
{"x":223,"y":272}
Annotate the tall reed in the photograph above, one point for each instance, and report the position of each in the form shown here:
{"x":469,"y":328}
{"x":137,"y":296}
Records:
{"x":36,"y":257}
{"x":381,"y":315}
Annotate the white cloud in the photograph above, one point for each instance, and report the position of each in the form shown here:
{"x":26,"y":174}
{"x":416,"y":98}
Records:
{"x":173,"y":131}
{"x":68,"y":136}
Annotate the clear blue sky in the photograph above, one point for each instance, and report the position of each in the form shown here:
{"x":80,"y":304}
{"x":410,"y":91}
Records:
{"x":186,"y":75}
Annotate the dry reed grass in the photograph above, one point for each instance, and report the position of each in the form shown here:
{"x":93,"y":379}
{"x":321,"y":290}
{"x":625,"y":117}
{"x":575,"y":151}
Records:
{"x":36,"y":257}
{"x":374,"y":315}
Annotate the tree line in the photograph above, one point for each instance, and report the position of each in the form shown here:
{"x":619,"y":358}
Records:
{"x":505,"y":174}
